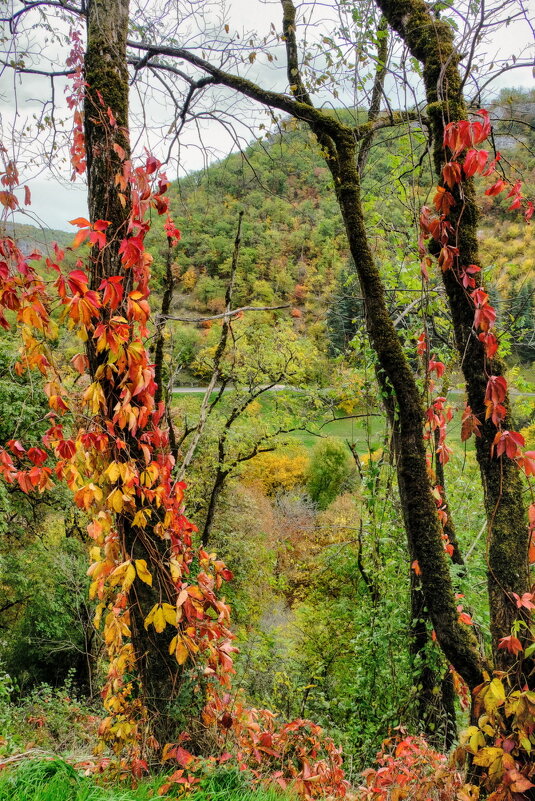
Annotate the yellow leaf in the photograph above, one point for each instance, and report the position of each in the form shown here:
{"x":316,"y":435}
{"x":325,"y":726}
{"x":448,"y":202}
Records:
{"x":495,"y":696}
{"x":177,"y":647}
{"x":472,"y":738}
{"x":181,"y":653}
{"x":115,"y":500}
{"x":94,"y":554}
{"x":169,"y":613}
{"x":140,"y":519}
{"x":176,"y":571}
{"x":487,"y":756}
{"x":158,"y":620}
{"x":113,"y":471}
{"x":98,"y":616}
{"x":150,"y":617}
{"x":118,"y":574}
{"x":129,"y":577}
{"x":143,"y":573}
{"x":127,"y":472}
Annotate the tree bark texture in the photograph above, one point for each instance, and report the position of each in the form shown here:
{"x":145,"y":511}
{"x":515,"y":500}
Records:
{"x":422,"y":524}
{"x":431,"y":41}
{"x":107,"y":77}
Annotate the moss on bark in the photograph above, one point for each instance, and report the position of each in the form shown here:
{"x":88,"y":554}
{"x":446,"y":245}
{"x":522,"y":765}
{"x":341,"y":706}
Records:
{"x":431,"y":41}
{"x":107,"y":77}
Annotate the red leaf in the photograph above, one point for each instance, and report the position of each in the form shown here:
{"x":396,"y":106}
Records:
{"x":474,"y":162}
{"x":490,"y":343}
{"x":80,"y":222}
{"x":37,"y":456}
{"x":152,"y":164}
{"x":524,"y":602}
{"x":437,"y":367}
{"x":465,"y":618}
{"x":469,"y":424}
{"x":443,"y":200}
{"x":508,"y":443}
{"x":101,"y":225}
{"x":496,"y":188}
{"x":80,"y":237}
{"x":16,"y":447}
{"x":527,"y":463}
{"x":496,"y":389}
{"x":451,"y":172}
{"x":515,"y":191}
{"x":511,"y":644}
{"x":8,"y":200}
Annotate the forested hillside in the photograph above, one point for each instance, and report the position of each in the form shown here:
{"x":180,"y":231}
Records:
{"x":267,"y":445}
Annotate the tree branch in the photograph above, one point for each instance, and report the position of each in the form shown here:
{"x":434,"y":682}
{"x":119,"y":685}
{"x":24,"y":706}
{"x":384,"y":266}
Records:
{"x":226,"y":314}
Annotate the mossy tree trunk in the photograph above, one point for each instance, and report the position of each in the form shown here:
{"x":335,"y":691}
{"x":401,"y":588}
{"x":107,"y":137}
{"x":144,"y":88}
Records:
{"x":431,"y":41}
{"x":106,"y":75}
{"x":423,"y":527}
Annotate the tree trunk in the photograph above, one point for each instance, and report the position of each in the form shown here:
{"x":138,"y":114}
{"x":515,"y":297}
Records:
{"x":431,"y":41}
{"x":107,"y":77}
{"x":423,"y":527}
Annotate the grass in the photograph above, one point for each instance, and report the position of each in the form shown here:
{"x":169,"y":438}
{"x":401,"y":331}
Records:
{"x":359,"y":430}
{"x":55,"y":780}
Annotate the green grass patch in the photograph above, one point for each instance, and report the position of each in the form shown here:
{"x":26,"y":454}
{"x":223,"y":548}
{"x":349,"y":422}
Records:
{"x":55,"y":780}
{"x":362,"y":430}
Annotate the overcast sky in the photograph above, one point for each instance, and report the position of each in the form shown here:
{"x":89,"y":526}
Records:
{"x":55,"y":202}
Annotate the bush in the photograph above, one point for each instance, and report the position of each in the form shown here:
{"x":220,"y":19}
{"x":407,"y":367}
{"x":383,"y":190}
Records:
{"x":330,"y":473}
{"x":277,"y":471}
{"x":409,"y":768}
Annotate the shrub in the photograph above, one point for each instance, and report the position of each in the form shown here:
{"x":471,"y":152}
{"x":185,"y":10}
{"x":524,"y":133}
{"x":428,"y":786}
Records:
{"x":330,"y":473}
{"x":408,"y":768}
{"x":277,"y":471}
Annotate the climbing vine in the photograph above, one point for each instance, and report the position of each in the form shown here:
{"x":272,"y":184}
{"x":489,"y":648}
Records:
{"x":502,"y":737}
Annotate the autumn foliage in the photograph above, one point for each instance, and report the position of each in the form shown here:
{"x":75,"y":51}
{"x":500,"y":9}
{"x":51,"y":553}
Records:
{"x":107,"y":441}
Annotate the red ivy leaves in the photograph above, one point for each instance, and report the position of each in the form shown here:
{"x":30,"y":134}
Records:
{"x":113,"y":291}
{"x":474,"y":162}
{"x":131,"y":251}
{"x":511,"y":644}
{"x":496,"y":188}
{"x":469,"y":424}
{"x":459,"y":136}
{"x":508,"y":443}
{"x":452,"y":174}
{"x":496,"y":389}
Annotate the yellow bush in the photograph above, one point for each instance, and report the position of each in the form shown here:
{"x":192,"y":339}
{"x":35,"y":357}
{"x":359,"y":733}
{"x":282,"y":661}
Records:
{"x":188,"y":279}
{"x":277,"y":470}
